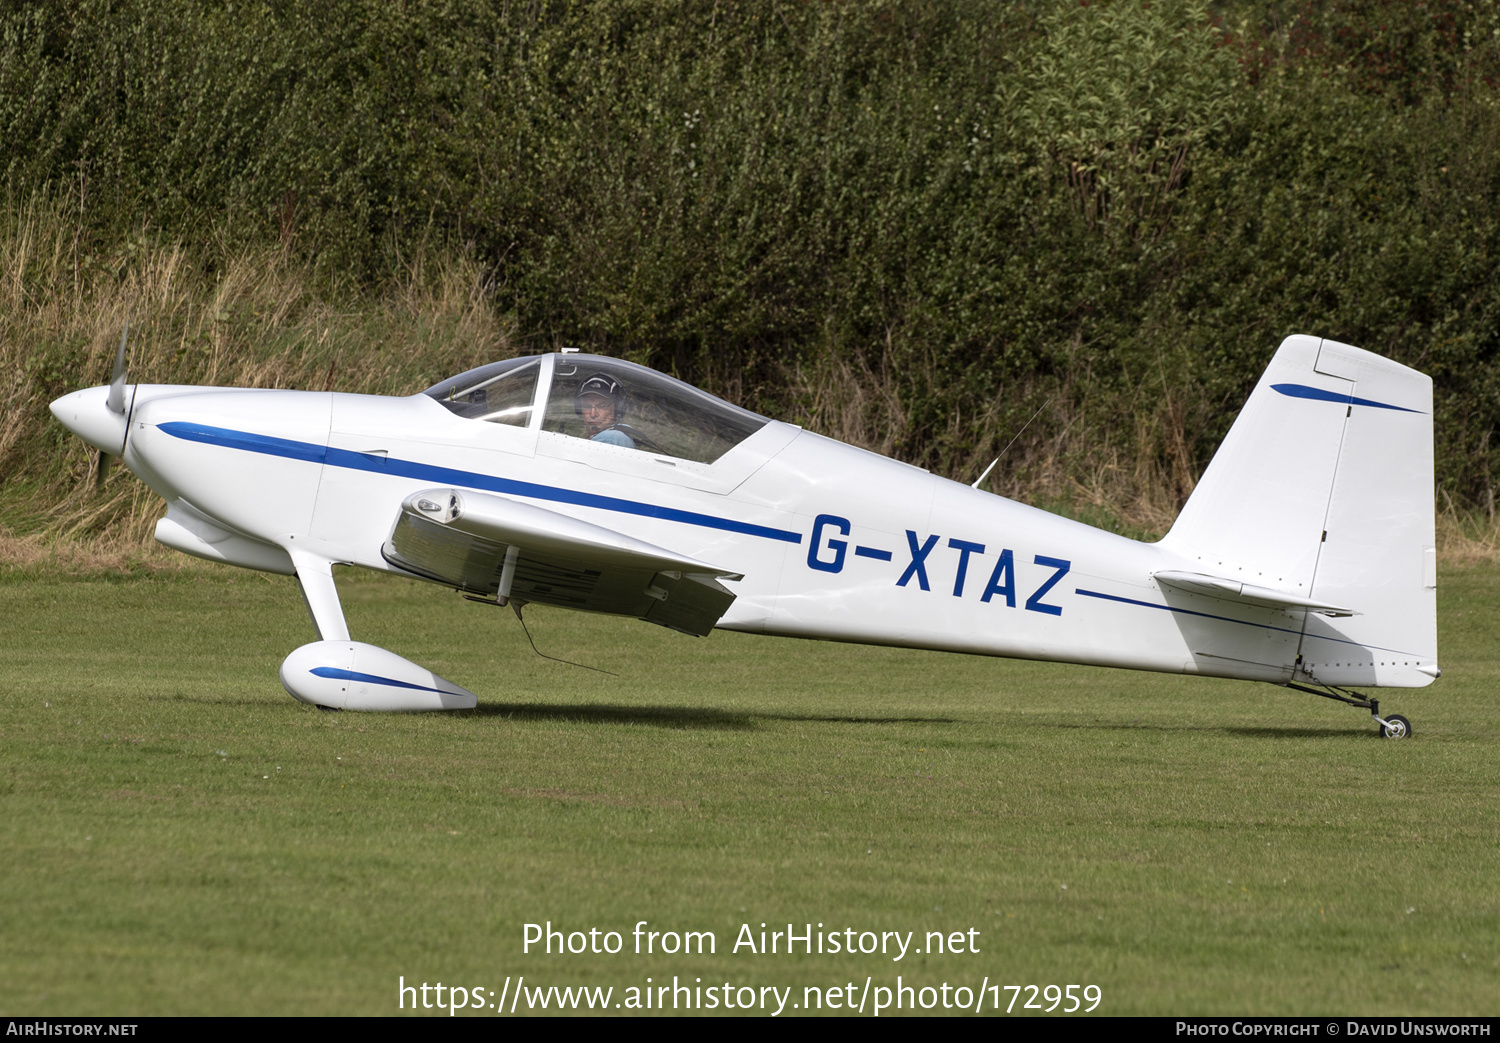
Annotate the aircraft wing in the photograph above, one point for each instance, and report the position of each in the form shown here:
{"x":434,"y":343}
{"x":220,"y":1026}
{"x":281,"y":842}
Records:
{"x":490,"y":544}
{"x":1245,"y":593}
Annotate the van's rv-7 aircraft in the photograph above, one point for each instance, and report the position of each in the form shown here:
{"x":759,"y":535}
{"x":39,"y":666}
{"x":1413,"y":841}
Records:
{"x":1305,"y":557}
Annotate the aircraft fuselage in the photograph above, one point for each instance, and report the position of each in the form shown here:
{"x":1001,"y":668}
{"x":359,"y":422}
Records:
{"x":834,"y":542}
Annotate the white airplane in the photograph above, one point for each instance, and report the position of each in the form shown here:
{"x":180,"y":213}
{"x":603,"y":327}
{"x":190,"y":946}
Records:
{"x":1305,"y":557}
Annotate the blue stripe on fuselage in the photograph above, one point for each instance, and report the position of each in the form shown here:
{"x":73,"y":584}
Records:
{"x":308,"y":451}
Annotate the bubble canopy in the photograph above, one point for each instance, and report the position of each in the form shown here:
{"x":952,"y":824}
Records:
{"x":652,"y":412}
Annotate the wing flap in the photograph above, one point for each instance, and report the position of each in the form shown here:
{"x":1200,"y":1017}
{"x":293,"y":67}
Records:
{"x":1246,"y":593}
{"x":490,"y":544}
{"x":684,"y":600}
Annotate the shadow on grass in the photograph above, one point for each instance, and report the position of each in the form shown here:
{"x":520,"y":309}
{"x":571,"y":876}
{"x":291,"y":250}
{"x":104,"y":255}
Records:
{"x":1306,"y":733}
{"x":595,"y":713}
{"x":1331,"y":732}
{"x":709,"y":717}
{"x":674,"y":716}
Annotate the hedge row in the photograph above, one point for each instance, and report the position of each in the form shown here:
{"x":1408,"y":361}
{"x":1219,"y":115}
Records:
{"x":973,"y":208}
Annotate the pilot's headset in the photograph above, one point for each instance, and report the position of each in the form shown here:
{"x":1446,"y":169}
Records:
{"x":601,"y":384}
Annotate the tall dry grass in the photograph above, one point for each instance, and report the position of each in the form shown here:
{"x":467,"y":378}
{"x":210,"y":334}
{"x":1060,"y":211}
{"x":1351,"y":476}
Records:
{"x":199,"y":313}
{"x":1045,"y":438}
{"x":1130,"y":476}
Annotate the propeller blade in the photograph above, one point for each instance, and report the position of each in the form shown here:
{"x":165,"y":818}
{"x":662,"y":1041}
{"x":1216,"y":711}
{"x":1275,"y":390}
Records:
{"x":101,"y":470}
{"x":116,"y":400}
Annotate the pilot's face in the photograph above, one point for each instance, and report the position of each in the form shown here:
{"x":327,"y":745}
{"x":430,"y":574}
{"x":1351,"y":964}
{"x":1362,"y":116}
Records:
{"x":598,"y":413}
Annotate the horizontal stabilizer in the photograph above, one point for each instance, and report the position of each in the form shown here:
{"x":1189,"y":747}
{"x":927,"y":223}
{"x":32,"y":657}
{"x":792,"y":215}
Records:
{"x":491,"y":544}
{"x":1246,"y":593}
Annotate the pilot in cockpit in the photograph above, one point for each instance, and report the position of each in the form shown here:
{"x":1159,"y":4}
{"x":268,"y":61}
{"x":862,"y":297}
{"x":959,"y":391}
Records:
{"x":600,"y":404}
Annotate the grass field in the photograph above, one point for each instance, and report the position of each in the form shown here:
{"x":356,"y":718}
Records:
{"x":180,"y":836}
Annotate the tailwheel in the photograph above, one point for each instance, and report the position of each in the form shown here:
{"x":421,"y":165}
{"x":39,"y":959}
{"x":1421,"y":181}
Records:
{"x":1395,"y":727}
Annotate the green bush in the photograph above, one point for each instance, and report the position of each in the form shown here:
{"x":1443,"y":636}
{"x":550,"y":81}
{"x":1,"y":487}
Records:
{"x":913,"y":224}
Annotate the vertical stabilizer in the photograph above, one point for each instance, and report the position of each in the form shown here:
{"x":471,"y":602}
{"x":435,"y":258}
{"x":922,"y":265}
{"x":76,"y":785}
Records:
{"x":1323,"y":489}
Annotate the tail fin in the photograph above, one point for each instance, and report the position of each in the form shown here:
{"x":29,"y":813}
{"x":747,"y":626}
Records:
{"x":1323,"y":489}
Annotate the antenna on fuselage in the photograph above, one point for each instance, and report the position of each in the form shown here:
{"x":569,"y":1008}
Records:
{"x":1012,"y":442}
{"x":986,"y":474}
{"x":515,"y":605}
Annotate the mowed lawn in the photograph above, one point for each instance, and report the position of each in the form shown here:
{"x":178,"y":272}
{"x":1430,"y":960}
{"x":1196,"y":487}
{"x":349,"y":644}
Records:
{"x":177,"y":835}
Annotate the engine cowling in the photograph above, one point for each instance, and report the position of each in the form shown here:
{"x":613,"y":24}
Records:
{"x":352,"y":675}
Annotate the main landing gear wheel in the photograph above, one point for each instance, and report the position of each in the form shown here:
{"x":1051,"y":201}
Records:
{"x":1396,"y":727}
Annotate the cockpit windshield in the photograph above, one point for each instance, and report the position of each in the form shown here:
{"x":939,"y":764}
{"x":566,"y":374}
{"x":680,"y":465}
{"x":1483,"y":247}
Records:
{"x":604,"y":400}
{"x":502,"y":392}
